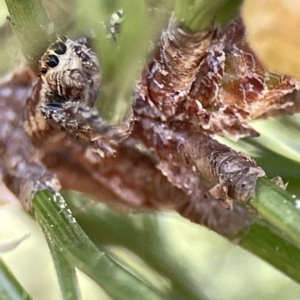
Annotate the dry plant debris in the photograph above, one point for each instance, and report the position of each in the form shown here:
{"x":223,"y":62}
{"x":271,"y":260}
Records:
{"x":196,"y":85}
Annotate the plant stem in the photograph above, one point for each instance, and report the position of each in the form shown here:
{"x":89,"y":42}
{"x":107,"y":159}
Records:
{"x":197,"y":15}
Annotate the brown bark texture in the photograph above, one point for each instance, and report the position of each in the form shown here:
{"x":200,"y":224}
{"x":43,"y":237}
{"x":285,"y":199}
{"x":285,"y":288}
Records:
{"x":195,"y":86}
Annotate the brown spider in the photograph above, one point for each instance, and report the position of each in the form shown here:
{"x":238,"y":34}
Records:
{"x":196,"y":85}
{"x":71,"y":78}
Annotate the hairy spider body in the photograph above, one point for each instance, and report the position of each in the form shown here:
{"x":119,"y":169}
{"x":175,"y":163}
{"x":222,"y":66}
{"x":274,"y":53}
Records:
{"x":65,"y":96}
{"x":70,"y":71}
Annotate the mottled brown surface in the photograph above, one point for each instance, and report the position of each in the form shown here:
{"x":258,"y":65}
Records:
{"x":196,"y":85}
{"x":20,"y":164}
{"x":174,"y":68}
{"x":230,"y":87}
{"x":234,"y":174}
{"x":130,"y":179}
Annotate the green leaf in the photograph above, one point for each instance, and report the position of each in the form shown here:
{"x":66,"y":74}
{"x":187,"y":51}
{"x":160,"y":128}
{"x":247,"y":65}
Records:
{"x":286,"y":141}
{"x":32,"y":27}
{"x":65,"y":271}
{"x":278,"y":207}
{"x":52,"y":212}
{"x":105,"y":226}
{"x":10,"y":288}
{"x":197,"y":15}
{"x":140,"y":234}
{"x":273,"y":248}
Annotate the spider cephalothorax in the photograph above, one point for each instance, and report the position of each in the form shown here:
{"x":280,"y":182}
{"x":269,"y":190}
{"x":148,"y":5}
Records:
{"x":71,"y":71}
{"x":65,"y":96}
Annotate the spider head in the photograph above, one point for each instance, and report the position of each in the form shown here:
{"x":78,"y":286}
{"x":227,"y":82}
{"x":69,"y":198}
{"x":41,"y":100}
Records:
{"x":70,"y":70}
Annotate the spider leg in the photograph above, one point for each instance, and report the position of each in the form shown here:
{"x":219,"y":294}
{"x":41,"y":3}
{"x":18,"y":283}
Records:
{"x":83,"y":122}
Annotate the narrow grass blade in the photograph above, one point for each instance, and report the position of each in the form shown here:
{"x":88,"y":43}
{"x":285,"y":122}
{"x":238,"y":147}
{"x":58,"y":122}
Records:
{"x":32,"y":27}
{"x":278,"y":207}
{"x":10,"y":288}
{"x":105,"y":226}
{"x":273,"y":248}
{"x":65,"y":271}
{"x":52,"y":212}
{"x":140,"y":234}
{"x":285,"y":142}
{"x":197,"y":15}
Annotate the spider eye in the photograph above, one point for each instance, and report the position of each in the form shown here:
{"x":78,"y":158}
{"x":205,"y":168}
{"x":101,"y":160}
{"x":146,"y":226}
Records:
{"x":60,"y":48}
{"x":43,"y":70}
{"x":52,"y":61}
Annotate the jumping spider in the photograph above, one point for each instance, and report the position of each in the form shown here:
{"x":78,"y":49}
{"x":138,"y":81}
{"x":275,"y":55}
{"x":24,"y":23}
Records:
{"x":71,"y":78}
